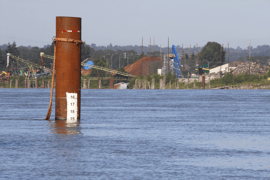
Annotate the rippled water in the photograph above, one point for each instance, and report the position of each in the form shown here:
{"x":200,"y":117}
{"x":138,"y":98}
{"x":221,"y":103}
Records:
{"x":138,"y":134}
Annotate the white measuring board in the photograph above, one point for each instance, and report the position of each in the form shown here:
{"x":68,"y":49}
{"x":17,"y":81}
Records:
{"x":71,"y":107}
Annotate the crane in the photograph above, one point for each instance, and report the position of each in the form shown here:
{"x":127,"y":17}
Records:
{"x":177,"y":67}
{"x":3,"y":72}
{"x":84,"y":63}
{"x":29,"y":64}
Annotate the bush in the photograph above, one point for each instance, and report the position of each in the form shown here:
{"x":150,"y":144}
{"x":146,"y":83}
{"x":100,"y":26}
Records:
{"x":229,"y":79}
{"x":149,"y":78}
{"x":132,"y":82}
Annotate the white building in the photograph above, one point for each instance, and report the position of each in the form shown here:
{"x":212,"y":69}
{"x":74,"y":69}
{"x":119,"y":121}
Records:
{"x":223,"y":68}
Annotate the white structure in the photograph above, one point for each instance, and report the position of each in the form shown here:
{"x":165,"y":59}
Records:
{"x":171,"y":64}
{"x":159,"y":71}
{"x":223,"y":68}
{"x":165,"y":62}
{"x":121,"y":85}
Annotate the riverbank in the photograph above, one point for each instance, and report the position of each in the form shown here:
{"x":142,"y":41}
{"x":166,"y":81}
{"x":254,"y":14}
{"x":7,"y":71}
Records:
{"x":168,"y":81}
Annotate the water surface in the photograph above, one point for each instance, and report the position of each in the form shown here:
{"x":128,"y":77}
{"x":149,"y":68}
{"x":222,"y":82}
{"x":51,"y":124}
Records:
{"x":138,"y":134}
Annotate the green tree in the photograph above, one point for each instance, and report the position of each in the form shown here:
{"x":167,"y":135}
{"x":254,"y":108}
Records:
{"x":191,"y":62}
{"x":170,"y":77}
{"x":11,"y":48}
{"x":121,"y":69}
{"x":85,"y":51}
{"x":211,"y":53}
{"x":141,"y":55}
{"x":187,"y":56}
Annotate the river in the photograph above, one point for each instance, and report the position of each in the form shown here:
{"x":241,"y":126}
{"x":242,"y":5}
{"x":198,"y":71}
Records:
{"x":138,"y":134}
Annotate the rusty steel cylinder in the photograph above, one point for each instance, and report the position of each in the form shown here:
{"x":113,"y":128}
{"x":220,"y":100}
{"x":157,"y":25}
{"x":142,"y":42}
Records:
{"x":203,"y":82}
{"x":68,"y":65}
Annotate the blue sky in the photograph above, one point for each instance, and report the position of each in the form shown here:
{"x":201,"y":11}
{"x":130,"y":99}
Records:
{"x":125,"y":22}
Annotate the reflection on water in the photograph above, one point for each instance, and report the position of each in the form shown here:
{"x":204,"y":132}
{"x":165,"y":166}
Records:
{"x":63,"y":127}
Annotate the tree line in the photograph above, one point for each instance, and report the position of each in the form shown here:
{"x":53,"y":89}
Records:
{"x":234,"y":53}
{"x":113,"y":59}
{"x":121,"y":57}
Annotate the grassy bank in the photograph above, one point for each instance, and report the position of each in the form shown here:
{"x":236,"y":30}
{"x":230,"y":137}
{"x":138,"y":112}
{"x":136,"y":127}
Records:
{"x":227,"y":80}
{"x":241,"y":80}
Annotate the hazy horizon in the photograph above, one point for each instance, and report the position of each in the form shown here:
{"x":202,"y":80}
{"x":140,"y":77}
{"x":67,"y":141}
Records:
{"x":125,"y":22}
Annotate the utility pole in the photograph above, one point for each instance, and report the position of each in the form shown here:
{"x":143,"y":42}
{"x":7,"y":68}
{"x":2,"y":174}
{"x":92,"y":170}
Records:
{"x":154,"y":48}
{"x":160,"y":50}
{"x":142,"y":44}
{"x":198,"y":61}
{"x":119,"y":60}
{"x":190,"y":53}
{"x":249,"y":57}
{"x":228,"y":58}
{"x":168,"y":56}
{"x":154,"y":56}
{"x":111,"y":59}
{"x":161,"y":57}
{"x":150,"y":48}
{"x":220,"y":59}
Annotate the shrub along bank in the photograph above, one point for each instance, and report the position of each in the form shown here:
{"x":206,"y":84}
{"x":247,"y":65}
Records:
{"x":227,"y":80}
{"x":242,"y":79}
